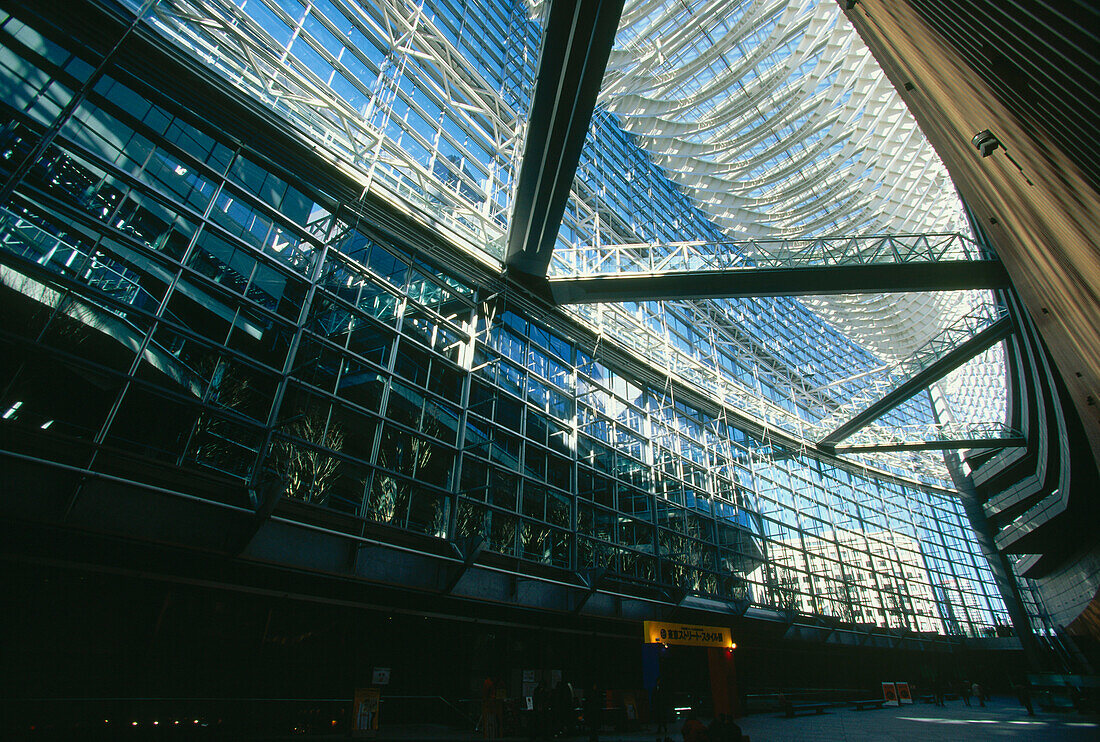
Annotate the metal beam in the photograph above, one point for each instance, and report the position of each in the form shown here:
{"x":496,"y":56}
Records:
{"x":577,"y":42}
{"x":994,"y":333}
{"x":818,"y":280}
{"x":468,"y":548}
{"x":934,"y":437}
{"x":591,"y":579}
{"x":945,"y":445}
{"x":702,"y":269}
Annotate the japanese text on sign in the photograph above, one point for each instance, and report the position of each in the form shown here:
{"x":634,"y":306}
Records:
{"x":658,"y":632}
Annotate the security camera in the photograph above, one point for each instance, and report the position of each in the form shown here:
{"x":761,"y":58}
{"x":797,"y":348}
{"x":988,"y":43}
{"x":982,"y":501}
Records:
{"x":986,"y":142}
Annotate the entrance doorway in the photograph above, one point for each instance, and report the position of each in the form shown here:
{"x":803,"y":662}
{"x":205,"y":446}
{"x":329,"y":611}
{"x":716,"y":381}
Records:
{"x":685,"y":676}
{"x":695,"y":666}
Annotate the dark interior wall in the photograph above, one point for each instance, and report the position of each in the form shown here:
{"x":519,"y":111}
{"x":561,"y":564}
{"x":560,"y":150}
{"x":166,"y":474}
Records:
{"x":113,"y":644}
{"x":1003,"y":67}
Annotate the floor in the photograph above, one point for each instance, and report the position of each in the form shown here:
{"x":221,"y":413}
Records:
{"x":1001,"y":719}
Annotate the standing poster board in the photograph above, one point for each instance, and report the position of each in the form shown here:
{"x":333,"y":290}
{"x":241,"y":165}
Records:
{"x":631,"y":706}
{"x":890,"y":693}
{"x":365,"y":707}
{"x":904,"y":696}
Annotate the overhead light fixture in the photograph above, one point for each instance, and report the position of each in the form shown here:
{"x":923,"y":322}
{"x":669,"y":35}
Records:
{"x":987,"y":143}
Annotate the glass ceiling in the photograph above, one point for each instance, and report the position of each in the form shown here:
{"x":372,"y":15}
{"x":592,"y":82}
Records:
{"x":717,"y":120}
{"x":772,"y":120}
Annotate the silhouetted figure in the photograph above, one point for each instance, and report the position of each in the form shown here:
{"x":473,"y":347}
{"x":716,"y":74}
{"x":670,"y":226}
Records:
{"x":661,"y":706}
{"x":593,"y":712}
{"x":693,"y":729}
{"x":976,"y":689}
{"x":541,"y":706}
{"x":1023,"y":692}
{"x":561,"y":708}
{"x":724,"y":729}
{"x":490,"y":719}
{"x":965,"y":692}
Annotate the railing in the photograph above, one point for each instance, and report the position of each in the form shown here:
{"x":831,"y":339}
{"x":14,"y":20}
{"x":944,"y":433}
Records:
{"x":186,"y":718}
{"x":953,"y":336}
{"x":901,"y":435}
{"x":93,"y":268}
{"x":635,"y":259}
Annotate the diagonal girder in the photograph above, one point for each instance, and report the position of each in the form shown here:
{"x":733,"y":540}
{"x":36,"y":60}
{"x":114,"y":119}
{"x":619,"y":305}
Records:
{"x":821,"y":266}
{"x":935,"y":370}
{"x":890,"y":376}
{"x":578,"y":40}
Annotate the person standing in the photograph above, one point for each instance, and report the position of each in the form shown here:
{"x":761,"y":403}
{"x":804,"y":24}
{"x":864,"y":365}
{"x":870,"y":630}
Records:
{"x":1023,"y":692}
{"x":693,"y":729}
{"x":593,"y":712}
{"x":976,"y":689}
{"x":724,"y":729}
{"x":488,"y":709}
{"x":561,"y":708}
{"x":540,"y":703}
{"x":965,"y":691}
{"x":659,"y":705}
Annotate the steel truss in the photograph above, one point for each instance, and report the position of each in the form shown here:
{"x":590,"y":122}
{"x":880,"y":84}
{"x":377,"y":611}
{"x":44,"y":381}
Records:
{"x":244,"y":54}
{"x":723,"y":269}
{"x":933,"y":437}
{"x":954,"y":336}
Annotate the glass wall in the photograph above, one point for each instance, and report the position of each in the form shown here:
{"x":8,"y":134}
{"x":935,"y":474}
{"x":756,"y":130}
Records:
{"x":182,"y":307}
{"x":428,"y":99}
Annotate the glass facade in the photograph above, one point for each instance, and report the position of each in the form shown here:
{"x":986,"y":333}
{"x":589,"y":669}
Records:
{"x":183,"y":302}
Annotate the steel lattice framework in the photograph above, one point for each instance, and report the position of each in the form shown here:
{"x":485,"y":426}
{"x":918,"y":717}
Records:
{"x":777,"y":121}
{"x":770,"y":115}
{"x":693,"y":256}
{"x":934,"y":436}
{"x":815,"y":267}
{"x":697,"y":419}
{"x":376,"y":145}
{"x":964,"y":329}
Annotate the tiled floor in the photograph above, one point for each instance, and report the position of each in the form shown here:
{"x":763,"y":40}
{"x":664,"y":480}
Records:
{"x":1001,"y":719}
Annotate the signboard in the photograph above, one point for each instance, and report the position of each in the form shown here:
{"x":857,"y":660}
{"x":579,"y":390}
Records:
{"x":631,"y":706}
{"x":381,"y":676}
{"x":904,"y":696}
{"x":365,"y":707}
{"x":890,"y":694}
{"x":659,"y":632}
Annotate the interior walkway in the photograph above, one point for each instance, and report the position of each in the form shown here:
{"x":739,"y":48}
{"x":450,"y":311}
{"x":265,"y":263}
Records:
{"x":1002,"y":718}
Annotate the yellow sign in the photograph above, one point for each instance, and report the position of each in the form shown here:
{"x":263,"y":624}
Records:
{"x":658,"y":632}
{"x":365,"y":716}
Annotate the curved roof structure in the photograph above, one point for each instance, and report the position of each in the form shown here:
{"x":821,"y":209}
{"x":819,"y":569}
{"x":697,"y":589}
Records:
{"x":289,"y":285}
{"x":716,"y":121}
{"x":776,"y":120}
